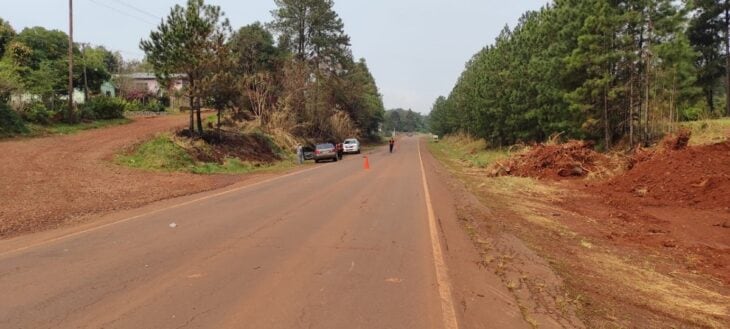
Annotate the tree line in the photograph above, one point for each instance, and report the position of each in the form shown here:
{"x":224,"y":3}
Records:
{"x":34,"y":63}
{"x":295,"y":73}
{"x":611,"y":71}
{"x":404,"y":121}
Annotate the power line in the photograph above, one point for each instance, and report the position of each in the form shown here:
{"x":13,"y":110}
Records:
{"x":123,"y":13}
{"x":137,"y":9}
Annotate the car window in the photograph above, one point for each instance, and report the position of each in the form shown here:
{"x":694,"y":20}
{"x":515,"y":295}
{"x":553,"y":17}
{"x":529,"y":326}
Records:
{"x":324,"y":146}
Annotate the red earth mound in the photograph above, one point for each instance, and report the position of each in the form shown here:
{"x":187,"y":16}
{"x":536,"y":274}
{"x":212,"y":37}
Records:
{"x":571,"y":159}
{"x":695,"y":177}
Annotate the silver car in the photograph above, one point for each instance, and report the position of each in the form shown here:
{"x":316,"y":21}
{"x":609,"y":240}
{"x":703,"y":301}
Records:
{"x":352,"y":145}
{"x":326,"y":151}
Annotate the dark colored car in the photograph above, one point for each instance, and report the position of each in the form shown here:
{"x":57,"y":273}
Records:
{"x":308,"y":152}
{"x":326,"y":151}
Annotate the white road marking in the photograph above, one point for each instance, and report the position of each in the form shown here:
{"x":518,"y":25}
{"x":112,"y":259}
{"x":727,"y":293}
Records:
{"x":442,"y":273}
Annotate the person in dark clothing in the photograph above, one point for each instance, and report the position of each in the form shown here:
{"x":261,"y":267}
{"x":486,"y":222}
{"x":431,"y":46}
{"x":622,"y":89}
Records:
{"x":340,"y":150}
{"x":391,"y":143}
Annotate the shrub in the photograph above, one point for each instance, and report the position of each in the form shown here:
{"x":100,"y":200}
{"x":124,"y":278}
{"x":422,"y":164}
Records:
{"x":105,"y":108}
{"x":154,"y":105}
{"x":10,"y":122}
{"x":37,"y":112}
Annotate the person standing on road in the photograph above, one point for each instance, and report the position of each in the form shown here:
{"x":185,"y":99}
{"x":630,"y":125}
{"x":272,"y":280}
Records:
{"x":391,"y":143}
{"x":340,"y":150}
{"x":300,"y":154}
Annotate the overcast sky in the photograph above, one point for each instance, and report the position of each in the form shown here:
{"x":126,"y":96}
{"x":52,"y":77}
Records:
{"x":416,"y":49}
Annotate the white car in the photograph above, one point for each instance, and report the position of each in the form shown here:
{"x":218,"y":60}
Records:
{"x":351,"y":145}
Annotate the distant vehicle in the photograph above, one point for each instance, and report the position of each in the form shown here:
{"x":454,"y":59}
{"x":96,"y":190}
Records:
{"x":352,"y":145}
{"x":436,"y":138}
{"x":326,"y":151}
{"x":308,"y":152}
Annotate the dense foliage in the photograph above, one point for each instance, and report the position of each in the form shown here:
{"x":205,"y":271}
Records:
{"x":307,"y":83}
{"x":404,"y":121}
{"x":33,"y":69}
{"x":10,"y":122}
{"x":104,"y":108}
{"x":599,"y":69}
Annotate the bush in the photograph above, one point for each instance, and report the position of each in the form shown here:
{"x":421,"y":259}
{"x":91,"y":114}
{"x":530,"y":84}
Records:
{"x":154,"y":105}
{"x":10,"y":122}
{"x":104,"y":108}
{"x":37,"y":112}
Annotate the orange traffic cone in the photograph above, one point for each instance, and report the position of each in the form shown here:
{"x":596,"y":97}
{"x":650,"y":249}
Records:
{"x":366,"y":164}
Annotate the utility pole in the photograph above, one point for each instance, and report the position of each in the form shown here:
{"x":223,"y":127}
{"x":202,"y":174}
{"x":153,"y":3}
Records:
{"x":70,"y":60}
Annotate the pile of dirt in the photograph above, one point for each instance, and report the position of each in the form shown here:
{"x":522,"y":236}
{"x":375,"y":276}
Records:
{"x":678,"y":141}
{"x":215,"y":146}
{"x":695,"y":177}
{"x":559,"y":161}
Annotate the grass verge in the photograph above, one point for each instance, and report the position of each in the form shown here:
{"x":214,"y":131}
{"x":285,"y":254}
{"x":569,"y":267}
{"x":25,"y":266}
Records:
{"x":709,"y":131}
{"x":163,"y":153}
{"x":67,"y":129}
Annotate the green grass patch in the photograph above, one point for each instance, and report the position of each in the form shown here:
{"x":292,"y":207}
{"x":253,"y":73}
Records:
{"x":709,"y":131}
{"x":162,"y":153}
{"x":158,"y":154}
{"x":67,"y":129}
{"x":467,"y":151}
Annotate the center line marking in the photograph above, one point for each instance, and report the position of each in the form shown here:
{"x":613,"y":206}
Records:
{"x":442,"y":273}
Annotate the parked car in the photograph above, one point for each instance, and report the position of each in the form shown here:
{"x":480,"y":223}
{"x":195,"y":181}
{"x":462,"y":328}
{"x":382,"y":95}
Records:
{"x":352,"y":145}
{"x":326,"y":151}
{"x":308,"y":152}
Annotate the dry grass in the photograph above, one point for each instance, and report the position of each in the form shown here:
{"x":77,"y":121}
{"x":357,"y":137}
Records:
{"x":680,"y":299}
{"x":709,"y":131}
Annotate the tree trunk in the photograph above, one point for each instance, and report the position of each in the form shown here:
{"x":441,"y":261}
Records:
{"x":191,"y":100}
{"x":631,"y":109}
{"x":197,"y":113}
{"x":727,"y":58}
{"x":647,"y":83}
{"x":606,"y":124}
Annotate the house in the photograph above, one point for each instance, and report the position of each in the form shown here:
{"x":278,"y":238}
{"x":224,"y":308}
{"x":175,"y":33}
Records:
{"x":147,"y":83}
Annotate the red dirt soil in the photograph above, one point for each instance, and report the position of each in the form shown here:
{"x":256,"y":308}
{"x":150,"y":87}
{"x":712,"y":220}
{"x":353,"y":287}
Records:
{"x":555,"y":162}
{"x":675,"y":202}
{"x":53,"y":180}
{"x":696,"y":177}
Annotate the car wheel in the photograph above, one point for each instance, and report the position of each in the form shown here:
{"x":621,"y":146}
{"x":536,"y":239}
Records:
{"x":316,"y":161}
{"x":335,"y":159}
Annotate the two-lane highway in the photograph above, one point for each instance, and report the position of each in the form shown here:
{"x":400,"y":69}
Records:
{"x":331,"y":247}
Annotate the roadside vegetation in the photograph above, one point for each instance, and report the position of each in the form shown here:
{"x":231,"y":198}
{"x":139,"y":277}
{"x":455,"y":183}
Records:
{"x":623,"y":263}
{"x":597,"y":132}
{"x":620,"y":74}
{"x":269,"y":96}
{"x":171,"y":153}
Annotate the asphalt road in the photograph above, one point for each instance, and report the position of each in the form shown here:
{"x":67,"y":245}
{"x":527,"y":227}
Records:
{"x":328,"y":246}
{"x":332,"y":246}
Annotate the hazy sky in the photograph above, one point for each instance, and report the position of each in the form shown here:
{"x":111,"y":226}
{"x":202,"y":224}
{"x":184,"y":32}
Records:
{"x":416,"y":49}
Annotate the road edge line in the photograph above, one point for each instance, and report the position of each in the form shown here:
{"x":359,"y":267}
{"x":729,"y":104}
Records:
{"x":442,"y":273}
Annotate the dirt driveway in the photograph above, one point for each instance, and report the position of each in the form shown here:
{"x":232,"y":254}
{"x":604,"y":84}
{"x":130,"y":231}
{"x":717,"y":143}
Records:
{"x":51,"y":181}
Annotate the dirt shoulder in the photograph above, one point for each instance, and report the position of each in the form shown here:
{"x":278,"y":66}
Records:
{"x":54,"y":181}
{"x":613,"y":271}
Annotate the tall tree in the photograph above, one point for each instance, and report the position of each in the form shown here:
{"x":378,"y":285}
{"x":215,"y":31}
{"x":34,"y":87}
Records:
{"x":313,"y":31}
{"x":184,"y":43}
{"x":254,"y":49}
{"x":7,"y":33}
{"x":707,"y":33}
